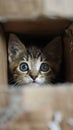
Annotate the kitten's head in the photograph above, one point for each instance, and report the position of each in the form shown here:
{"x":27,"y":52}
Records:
{"x":31,"y":64}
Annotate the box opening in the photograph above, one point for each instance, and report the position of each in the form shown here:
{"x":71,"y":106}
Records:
{"x":40,"y":33}
{"x":40,"y":41}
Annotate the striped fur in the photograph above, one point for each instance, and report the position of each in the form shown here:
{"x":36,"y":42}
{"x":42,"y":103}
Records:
{"x":34,"y":57}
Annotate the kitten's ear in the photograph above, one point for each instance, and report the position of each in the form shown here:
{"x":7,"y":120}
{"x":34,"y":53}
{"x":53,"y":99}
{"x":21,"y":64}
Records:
{"x":53,"y":50}
{"x":15,"y":47}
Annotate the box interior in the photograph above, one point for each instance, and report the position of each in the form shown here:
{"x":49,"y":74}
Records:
{"x":37,"y":32}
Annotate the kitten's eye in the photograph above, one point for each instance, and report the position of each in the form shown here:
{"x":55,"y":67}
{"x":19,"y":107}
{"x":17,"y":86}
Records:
{"x":44,"y":67}
{"x":24,"y":67}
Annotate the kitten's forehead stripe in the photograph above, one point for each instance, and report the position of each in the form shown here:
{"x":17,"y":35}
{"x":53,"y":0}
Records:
{"x":33,"y":52}
{"x":29,"y":54}
{"x":41,"y":57}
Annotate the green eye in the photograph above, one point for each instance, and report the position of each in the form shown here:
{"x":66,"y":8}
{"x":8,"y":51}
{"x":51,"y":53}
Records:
{"x":24,"y":67}
{"x":44,"y":67}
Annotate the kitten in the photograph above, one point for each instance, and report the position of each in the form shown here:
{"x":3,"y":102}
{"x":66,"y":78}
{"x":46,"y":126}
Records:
{"x":32,"y":64}
{"x":29,"y":65}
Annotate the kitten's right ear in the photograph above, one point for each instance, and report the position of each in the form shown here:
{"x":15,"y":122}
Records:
{"x":53,"y":50}
{"x":15,"y":47}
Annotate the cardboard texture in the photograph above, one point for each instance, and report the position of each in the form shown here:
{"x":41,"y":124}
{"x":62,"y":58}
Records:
{"x":41,"y":104}
{"x":33,"y":17}
{"x":44,"y":26}
{"x":68,"y":53}
{"x":3,"y":68}
{"x":32,"y":9}
{"x":3,"y":58}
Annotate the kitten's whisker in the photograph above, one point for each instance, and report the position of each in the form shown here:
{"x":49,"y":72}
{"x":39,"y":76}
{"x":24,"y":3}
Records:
{"x":17,"y":84}
{"x":10,"y":81}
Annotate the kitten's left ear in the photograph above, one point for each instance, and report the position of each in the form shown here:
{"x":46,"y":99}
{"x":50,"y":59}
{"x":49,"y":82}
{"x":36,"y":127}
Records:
{"x":15,"y":47}
{"x":53,"y":50}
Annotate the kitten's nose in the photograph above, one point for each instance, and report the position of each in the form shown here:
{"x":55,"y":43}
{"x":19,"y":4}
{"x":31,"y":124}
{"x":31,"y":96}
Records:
{"x":33,"y":76}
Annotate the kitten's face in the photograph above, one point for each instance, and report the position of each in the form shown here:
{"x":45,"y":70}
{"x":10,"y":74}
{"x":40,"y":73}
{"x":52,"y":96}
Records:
{"x":32,"y":65}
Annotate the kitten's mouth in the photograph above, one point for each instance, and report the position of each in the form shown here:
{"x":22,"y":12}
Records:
{"x":34,"y":81}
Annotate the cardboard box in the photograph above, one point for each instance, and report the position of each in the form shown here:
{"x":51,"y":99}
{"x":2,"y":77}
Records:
{"x":39,"y":17}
